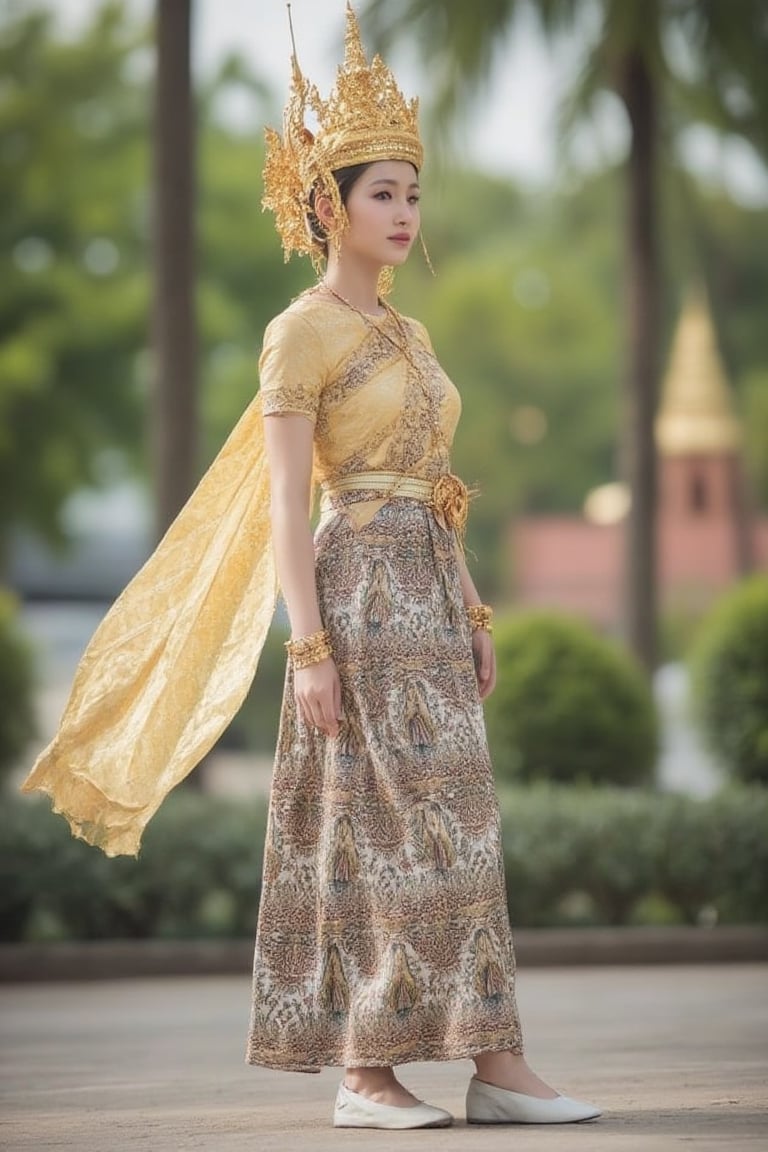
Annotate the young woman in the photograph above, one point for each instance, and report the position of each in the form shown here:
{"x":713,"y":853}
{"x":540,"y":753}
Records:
{"x":383,"y":932}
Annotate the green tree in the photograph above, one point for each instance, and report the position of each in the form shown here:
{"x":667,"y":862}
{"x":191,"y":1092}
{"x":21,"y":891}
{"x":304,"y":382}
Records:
{"x":75,"y":299}
{"x":73,"y":293}
{"x":726,"y":46}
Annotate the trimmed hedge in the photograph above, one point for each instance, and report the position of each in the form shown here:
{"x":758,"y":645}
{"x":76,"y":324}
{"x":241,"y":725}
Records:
{"x":198,"y":874}
{"x":569,"y":706}
{"x":610,"y":856}
{"x":572,"y":857}
{"x":730,"y":680}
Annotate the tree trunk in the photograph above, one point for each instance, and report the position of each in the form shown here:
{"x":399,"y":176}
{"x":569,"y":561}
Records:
{"x":174,"y":398}
{"x":174,"y":395}
{"x":641,"y":373}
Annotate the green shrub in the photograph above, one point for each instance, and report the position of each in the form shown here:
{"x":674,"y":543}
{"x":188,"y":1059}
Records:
{"x":679,"y":624}
{"x":730,"y":680}
{"x":198,"y":873}
{"x":572,"y":856}
{"x":620,"y":865}
{"x":17,"y":724}
{"x":620,"y":856}
{"x":739,"y":821}
{"x":687,"y":855}
{"x":569,"y":706}
{"x":545,"y":853}
{"x":578,"y":856}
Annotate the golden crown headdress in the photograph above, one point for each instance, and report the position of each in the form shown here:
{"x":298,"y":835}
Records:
{"x":365,"y":118}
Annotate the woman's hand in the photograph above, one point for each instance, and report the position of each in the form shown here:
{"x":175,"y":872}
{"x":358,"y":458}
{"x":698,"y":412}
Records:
{"x":317,"y":689}
{"x":485,"y":661}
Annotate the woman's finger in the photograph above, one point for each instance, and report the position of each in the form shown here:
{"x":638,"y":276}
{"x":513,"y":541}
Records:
{"x":338,"y":709}
{"x":329,"y":709}
{"x":306,"y":711}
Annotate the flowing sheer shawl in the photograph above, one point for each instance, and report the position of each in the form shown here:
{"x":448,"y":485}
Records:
{"x":172,"y":661}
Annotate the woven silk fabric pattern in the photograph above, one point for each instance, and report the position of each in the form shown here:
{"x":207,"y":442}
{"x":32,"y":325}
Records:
{"x":383,"y":931}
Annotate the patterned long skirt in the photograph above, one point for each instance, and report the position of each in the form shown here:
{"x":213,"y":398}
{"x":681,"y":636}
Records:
{"x":383,"y":933}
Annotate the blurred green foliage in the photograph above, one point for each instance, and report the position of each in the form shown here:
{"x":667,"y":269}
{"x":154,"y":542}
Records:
{"x":73,"y":252}
{"x":604,"y":856}
{"x":17,"y":717}
{"x":256,"y":724}
{"x":570,"y":706}
{"x":730,"y":680}
{"x":75,"y":249}
{"x":572,"y":856}
{"x":198,"y":874}
{"x":523,"y":312}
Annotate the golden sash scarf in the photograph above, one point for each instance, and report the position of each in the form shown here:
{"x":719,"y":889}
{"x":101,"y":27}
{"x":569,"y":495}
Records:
{"x":172,"y":661}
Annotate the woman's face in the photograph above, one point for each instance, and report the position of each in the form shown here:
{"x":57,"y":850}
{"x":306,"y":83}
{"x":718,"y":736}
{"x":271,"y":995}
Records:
{"x":383,"y":211}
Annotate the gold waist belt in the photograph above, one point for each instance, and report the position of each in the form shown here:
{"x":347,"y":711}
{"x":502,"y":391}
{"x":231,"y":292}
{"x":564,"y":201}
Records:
{"x":447,"y":496}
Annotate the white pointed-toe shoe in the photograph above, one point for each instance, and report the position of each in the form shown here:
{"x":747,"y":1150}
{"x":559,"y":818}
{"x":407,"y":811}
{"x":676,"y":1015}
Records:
{"x":355,"y":1111}
{"x":487,"y":1104}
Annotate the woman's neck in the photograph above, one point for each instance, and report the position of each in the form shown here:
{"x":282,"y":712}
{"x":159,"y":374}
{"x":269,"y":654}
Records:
{"x":356,"y":285}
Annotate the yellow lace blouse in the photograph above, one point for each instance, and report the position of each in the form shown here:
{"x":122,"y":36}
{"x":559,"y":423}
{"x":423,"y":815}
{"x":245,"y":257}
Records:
{"x":374,"y":407}
{"x":173,"y":659}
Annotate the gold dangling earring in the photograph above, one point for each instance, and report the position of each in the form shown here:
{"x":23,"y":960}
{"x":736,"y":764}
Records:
{"x":385,"y":282}
{"x":426,"y":253}
{"x":319,"y":263}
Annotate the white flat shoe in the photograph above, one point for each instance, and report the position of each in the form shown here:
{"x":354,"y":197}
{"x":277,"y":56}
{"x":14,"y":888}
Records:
{"x":355,"y":1111}
{"x":487,"y":1104}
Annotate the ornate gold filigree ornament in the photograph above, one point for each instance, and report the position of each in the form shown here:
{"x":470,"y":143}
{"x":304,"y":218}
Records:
{"x":365,"y":118}
{"x":450,"y":502}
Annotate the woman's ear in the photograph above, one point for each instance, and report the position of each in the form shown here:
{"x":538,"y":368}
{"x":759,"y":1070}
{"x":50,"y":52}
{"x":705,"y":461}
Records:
{"x":324,"y":211}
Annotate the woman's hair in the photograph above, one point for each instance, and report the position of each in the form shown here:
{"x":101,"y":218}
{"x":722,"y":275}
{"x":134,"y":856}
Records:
{"x":345,"y":178}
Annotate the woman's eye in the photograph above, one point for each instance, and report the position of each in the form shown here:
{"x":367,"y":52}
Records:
{"x":385,"y":195}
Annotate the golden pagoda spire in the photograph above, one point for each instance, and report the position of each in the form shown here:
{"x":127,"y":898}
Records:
{"x":696,"y":414}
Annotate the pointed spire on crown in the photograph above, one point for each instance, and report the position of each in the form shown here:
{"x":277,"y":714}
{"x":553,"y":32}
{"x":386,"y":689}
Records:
{"x":354,"y":53}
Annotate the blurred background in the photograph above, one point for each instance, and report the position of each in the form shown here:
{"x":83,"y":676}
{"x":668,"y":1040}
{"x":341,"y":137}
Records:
{"x":594,"y":205}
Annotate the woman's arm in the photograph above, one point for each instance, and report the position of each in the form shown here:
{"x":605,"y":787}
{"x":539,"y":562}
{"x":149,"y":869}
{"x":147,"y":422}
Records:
{"x":482,"y":641}
{"x":468,"y":590}
{"x":288,"y":442}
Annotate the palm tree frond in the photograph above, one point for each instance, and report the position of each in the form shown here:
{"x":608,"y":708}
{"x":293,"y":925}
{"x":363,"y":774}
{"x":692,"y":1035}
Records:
{"x":457,"y":41}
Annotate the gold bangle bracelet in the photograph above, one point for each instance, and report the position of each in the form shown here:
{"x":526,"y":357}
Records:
{"x":480,"y":617}
{"x":308,"y":650}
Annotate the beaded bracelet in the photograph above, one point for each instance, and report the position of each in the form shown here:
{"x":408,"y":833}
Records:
{"x":309,"y":649}
{"x":480,"y":617}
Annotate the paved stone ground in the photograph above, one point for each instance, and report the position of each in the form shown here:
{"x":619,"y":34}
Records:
{"x":676,"y":1056}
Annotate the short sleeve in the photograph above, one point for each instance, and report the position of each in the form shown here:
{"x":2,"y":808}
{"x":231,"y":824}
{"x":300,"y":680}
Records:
{"x":291,"y":368}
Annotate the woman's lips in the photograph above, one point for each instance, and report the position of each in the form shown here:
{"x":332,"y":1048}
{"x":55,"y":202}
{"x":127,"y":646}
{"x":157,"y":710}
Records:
{"x":400,"y":238}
